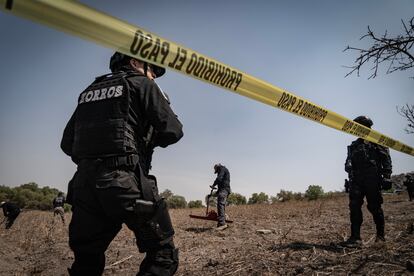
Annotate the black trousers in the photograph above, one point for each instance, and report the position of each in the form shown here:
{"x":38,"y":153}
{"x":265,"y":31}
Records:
{"x":367,"y":186}
{"x":10,"y":219}
{"x":410,"y":191}
{"x":103,"y":199}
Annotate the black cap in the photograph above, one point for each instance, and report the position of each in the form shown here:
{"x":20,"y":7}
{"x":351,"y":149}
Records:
{"x":118,"y":60}
{"x":364,"y":120}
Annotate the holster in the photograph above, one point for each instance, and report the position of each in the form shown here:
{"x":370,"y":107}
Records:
{"x":149,"y":191}
{"x":149,"y":188}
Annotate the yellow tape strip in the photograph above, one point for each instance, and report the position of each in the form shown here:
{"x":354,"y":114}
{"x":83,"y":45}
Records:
{"x":82,"y":21}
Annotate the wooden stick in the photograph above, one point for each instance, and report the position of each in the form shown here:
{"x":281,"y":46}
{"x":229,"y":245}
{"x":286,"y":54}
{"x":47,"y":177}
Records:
{"x":118,"y":262}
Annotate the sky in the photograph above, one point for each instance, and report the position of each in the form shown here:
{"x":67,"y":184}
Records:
{"x":296,"y":45}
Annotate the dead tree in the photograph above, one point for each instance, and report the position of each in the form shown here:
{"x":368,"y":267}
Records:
{"x":394,"y":51}
{"x":407,"y":112}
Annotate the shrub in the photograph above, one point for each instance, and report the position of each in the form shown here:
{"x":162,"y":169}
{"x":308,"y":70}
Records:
{"x":298,"y":196}
{"x":284,"y":196}
{"x":258,"y":198}
{"x":314,"y":192}
{"x":195,"y":204}
{"x":236,"y":199}
{"x":166,"y":194}
{"x":176,"y":201}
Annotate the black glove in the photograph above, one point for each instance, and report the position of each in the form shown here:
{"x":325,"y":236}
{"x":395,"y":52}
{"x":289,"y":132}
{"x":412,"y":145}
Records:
{"x":386,"y":184}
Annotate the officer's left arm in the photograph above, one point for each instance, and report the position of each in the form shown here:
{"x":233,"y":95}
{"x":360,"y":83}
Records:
{"x":385,"y":159}
{"x":166,"y":124}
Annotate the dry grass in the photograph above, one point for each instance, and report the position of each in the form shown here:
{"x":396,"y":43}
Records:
{"x":304,"y":239}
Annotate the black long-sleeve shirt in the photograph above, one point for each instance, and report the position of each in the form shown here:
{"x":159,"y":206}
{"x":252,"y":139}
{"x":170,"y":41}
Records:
{"x":223,"y":178}
{"x":10,"y":209}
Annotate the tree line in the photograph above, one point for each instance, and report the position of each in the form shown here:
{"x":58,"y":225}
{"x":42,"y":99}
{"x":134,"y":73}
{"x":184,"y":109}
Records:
{"x":31,"y":196}
{"x":312,"y":193}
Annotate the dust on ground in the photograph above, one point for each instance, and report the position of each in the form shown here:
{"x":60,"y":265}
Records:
{"x":303,"y":238}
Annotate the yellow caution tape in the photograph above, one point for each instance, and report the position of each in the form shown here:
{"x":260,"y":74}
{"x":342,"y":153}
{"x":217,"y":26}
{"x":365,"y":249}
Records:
{"x":82,"y":21}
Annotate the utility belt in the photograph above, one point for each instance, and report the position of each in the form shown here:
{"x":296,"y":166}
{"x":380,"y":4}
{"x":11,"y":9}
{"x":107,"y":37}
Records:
{"x":148,"y":183}
{"x":120,"y":161}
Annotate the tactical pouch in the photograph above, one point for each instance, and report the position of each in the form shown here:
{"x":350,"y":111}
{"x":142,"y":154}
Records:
{"x":148,"y":187}
{"x":144,"y":207}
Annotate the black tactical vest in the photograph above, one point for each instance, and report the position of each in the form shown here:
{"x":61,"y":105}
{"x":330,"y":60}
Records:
{"x":364,"y":156}
{"x":103,"y":119}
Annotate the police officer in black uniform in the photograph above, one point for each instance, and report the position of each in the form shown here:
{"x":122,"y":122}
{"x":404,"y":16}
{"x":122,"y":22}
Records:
{"x":223,"y":184}
{"x":58,"y":206}
{"x":10,"y":211}
{"x":368,"y":166}
{"x":108,"y":137}
{"x":409,"y":183}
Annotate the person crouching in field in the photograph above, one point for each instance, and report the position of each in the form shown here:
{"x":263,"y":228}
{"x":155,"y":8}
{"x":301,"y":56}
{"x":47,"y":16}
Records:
{"x":10,"y":211}
{"x":58,"y":204}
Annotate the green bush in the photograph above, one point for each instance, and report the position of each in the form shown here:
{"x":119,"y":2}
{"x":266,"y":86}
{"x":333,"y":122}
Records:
{"x":258,"y":198}
{"x":195,"y":204}
{"x":284,"y":196}
{"x":176,"y":201}
{"x":67,"y":207}
{"x":314,"y":192}
{"x":236,"y":199}
{"x":298,"y":196}
{"x":166,"y":194}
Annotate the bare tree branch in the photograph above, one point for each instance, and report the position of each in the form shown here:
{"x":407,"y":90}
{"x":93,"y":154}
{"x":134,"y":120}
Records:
{"x":393,"y":50}
{"x":407,"y":112}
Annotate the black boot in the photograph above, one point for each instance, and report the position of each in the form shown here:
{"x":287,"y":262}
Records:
{"x":379,"y":224}
{"x":380,"y":233}
{"x":355,"y":239}
{"x":163,"y":262}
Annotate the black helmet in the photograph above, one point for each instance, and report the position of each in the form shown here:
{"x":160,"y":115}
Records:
{"x":364,"y":120}
{"x":118,"y":60}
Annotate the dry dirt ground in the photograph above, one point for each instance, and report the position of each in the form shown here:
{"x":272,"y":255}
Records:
{"x":304,"y":239}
